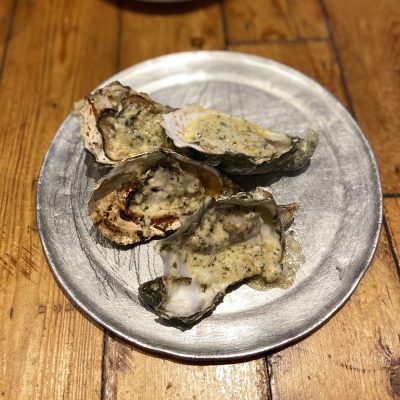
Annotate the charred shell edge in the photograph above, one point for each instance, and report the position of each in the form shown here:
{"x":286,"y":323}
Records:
{"x":89,"y":114}
{"x":152,"y":293}
{"x":228,"y":186}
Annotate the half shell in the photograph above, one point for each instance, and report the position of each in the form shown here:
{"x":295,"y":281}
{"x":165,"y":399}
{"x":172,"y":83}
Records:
{"x":235,"y":145}
{"x":146,"y":196}
{"x":118,"y":122}
{"x":228,"y":241}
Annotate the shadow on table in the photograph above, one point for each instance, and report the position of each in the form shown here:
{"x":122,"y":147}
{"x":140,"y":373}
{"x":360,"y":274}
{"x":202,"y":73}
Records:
{"x":161,"y":8}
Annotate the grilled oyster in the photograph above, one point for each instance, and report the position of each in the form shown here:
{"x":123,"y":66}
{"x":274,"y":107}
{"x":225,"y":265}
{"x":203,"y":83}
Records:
{"x":145,"y":196}
{"x":235,"y":145}
{"x":118,"y":123}
{"x":226,"y":242}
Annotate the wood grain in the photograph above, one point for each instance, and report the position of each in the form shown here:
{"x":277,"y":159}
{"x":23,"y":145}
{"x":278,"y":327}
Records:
{"x":57,"y":53}
{"x":6,"y":18}
{"x":152,"y":30}
{"x":368,"y":43}
{"x":255,"y":20}
{"x":392,"y":215}
{"x":159,"y":379}
{"x":356,"y":355}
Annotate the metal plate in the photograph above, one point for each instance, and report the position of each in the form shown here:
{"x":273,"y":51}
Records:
{"x":338,"y":222}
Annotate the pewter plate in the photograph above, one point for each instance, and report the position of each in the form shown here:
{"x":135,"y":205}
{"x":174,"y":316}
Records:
{"x":338,"y":222}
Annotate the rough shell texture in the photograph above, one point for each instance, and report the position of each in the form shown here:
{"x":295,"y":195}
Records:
{"x":146,"y":196}
{"x":118,"y":122}
{"x":233,"y":150}
{"x":157,"y":294}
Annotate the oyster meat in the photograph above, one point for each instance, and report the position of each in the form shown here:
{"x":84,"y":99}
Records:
{"x":226,"y":242}
{"x":145,"y":196}
{"x":234,"y":144}
{"x":118,"y":122}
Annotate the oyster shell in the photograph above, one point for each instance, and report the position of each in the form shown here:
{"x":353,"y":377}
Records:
{"x":118,"y":122}
{"x":226,"y":242}
{"x":145,"y":196}
{"x":235,"y":145}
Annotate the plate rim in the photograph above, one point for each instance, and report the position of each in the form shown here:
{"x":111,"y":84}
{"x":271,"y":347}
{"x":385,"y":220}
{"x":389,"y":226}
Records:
{"x":236,"y":354}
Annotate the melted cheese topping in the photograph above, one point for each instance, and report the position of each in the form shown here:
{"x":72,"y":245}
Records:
{"x":132,"y":131}
{"x":147,"y":203}
{"x":292,"y":258}
{"x":218,"y":133}
{"x":229,"y":245}
{"x":168,"y":191}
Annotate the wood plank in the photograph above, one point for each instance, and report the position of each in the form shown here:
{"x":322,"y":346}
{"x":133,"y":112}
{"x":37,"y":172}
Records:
{"x":268,"y":20}
{"x":153,"y":30}
{"x":157,"y":30}
{"x":355,"y":348}
{"x":57,"y":53}
{"x":369,"y":46}
{"x":159,"y":379}
{"x":392,"y":215}
{"x":356,"y":355}
{"x":6,"y":16}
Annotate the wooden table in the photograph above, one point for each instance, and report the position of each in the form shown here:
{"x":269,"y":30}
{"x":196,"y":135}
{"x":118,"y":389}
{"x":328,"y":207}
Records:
{"x":54,"y":52}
